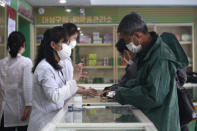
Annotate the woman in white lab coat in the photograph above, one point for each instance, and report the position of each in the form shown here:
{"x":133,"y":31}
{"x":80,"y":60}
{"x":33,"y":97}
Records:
{"x":51,"y":88}
{"x":71,"y":33}
{"x":15,"y":86}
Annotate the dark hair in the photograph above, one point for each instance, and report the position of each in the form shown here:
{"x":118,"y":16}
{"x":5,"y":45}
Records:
{"x":121,"y":46}
{"x":45,"y":50}
{"x":131,"y":23}
{"x":70,"y":28}
{"x":16,"y":40}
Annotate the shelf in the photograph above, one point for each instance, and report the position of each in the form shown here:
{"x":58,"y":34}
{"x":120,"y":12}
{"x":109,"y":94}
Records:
{"x":98,"y":67}
{"x":2,"y":45}
{"x":88,"y":45}
{"x":122,"y":67}
{"x":93,"y":45}
{"x":185,"y":42}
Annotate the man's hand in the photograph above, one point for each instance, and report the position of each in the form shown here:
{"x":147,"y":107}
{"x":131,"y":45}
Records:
{"x":104,"y":93}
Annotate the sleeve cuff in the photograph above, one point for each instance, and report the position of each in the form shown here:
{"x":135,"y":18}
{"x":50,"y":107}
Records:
{"x":118,"y":97}
{"x":28,"y":104}
{"x":74,"y":86}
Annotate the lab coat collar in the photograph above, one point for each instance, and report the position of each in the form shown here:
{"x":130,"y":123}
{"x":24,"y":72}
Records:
{"x":18,"y":55}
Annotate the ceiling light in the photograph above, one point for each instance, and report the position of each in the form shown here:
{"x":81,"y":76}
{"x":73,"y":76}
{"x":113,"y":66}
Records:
{"x":2,"y":3}
{"x":41,"y":11}
{"x":68,"y":10}
{"x":78,"y":28}
{"x":62,"y":1}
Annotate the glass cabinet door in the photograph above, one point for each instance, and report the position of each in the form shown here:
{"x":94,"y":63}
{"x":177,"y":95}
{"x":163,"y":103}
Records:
{"x":184,"y":35}
{"x":95,"y":48}
{"x":2,"y":33}
{"x":183,"y":32}
{"x":39,"y":33}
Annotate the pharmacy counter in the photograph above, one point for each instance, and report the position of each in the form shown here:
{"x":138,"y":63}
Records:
{"x":103,"y":116}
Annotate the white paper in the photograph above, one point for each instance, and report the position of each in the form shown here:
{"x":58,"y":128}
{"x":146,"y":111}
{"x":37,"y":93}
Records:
{"x":11,"y":25}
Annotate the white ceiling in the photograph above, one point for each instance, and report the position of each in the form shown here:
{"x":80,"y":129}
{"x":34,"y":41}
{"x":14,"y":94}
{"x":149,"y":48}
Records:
{"x":56,"y":3}
{"x":114,"y":3}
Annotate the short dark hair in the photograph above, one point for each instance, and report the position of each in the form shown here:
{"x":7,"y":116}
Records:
{"x":45,"y":51}
{"x":121,"y":46}
{"x":70,"y":29}
{"x":16,"y":40}
{"x":131,"y":23}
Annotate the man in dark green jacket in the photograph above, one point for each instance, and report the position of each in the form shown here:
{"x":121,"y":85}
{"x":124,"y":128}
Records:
{"x":154,"y":89}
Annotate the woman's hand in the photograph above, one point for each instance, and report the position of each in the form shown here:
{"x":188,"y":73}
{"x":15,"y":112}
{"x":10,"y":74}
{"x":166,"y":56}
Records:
{"x":77,"y":72}
{"x":88,"y":92}
{"x":26,"y":113}
{"x":81,"y":87}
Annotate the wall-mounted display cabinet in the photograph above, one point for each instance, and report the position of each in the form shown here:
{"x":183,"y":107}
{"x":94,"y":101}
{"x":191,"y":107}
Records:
{"x":2,"y":32}
{"x":96,"y":48}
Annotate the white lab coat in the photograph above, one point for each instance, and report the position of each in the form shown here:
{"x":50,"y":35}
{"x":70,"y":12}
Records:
{"x":49,"y":93}
{"x":68,"y":74}
{"x":15,"y":89}
{"x":67,"y":68}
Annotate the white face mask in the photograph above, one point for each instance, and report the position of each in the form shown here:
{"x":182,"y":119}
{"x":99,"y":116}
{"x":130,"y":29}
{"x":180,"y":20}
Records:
{"x":65,"y":52}
{"x":73,"y":43}
{"x":128,"y":62}
{"x":133,"y":48}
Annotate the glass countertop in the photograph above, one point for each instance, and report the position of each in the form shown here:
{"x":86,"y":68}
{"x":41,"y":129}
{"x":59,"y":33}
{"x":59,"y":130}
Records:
{"x":106,"y":116}
{"x":102,"y":114}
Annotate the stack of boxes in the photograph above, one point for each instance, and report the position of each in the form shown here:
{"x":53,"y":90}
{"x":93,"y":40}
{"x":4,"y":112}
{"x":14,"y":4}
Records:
{"x":108,"y":38}
{"x":85,"y":39}
{"x":96,"y":38}
{"x":92,"y":59}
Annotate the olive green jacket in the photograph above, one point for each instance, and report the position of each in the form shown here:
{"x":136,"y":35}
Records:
{"x":154,"y":89}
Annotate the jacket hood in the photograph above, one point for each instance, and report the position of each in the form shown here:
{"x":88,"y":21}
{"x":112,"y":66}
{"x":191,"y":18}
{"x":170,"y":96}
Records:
{"x":172,"y":42}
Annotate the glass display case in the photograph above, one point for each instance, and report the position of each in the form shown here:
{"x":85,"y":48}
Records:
{"x":2,"y":33}
{"x":102,"y":116}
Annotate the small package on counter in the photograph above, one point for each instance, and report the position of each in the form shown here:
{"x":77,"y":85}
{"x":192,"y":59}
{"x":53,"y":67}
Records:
{"x":111,"y":94}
